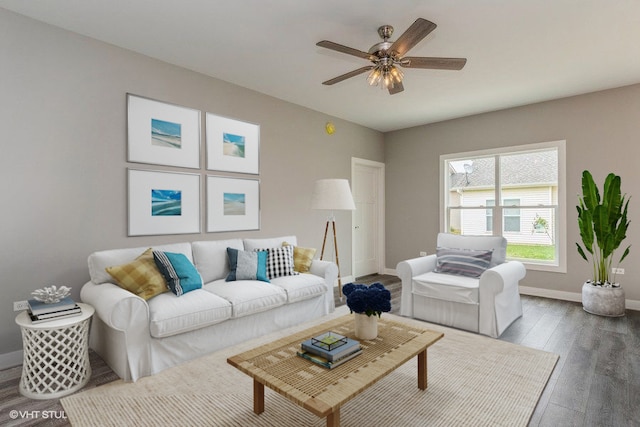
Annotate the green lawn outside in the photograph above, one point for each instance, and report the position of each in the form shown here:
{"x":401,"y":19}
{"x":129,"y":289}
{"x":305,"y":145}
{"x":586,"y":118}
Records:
{"x":538,"y":252}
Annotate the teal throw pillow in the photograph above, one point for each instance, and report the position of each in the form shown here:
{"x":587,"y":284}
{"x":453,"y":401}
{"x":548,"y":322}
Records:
{"x":181,"y":275}
{"x":246,"y":265}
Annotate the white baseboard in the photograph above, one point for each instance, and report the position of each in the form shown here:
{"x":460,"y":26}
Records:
{"x":630,"y":304}
{"x":9,"y":360}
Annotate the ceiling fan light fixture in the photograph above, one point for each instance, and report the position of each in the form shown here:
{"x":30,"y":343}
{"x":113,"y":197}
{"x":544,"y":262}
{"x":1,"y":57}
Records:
{"x":387,"y":76}
{"x":374,"y":76}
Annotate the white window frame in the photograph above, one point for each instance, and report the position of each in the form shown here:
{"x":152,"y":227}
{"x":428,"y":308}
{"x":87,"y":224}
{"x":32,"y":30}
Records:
{"x":561,"y":217}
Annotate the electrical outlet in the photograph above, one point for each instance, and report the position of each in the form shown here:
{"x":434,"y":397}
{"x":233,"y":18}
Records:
{"x":20,"y":305}
{"x":422,"y":253}
{"x":617,"y":270}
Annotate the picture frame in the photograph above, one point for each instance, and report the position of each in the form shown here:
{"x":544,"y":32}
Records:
{"x":163,"y":202}
{"x":232,"y":145}
{"x":233,"y":204}
{"x":162,"y":134}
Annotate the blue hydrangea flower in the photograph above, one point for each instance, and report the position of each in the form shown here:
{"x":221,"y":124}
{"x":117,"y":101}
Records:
{"x":369,"y":300}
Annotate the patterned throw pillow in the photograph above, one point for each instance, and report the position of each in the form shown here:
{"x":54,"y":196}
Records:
{"x":245,"y":265}
{"x":181,"y":275}
{"x":140,"y":276}
{"x":279,"y":262}
{"x":302,"y":258}
{"x":462,"y":262}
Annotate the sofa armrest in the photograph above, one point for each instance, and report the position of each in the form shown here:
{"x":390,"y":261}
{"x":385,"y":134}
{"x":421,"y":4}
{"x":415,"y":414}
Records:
{"x":121,"y":333}
{"x":500,"y":297}
{"x":329,"y":272}
{"x":502,"y":277}
{"x":116,"y":307}
{"x":406,"y":271}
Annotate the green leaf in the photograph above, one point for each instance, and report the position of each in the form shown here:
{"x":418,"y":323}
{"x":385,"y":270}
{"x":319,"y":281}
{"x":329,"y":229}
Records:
{"x":581,"y":252}
{"x":590,"y":193}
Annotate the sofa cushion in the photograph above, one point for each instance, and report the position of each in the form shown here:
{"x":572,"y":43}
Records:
{"x":253,"y":244}
{"x":462,"y":262}
{"x":210,"y":258}
{"x":99,"y":261}
{"x":302,"y":258}
{"x":140,"y":276}
{"x":245,"y":265}
{"x":169,"y":315}
{"x":181,"y":275}
{"x":248,"y":296}
{"x":447,"y":287}
{"x":301,"y":287}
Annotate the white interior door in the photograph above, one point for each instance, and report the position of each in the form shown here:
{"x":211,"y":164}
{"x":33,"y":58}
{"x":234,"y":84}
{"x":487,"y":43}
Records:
{"x":368,"y":218}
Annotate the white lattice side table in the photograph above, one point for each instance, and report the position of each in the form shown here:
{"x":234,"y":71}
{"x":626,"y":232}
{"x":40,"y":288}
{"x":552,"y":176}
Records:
{"x":56,"y":355}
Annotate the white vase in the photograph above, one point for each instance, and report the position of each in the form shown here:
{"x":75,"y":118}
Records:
{"x":366,"y":326}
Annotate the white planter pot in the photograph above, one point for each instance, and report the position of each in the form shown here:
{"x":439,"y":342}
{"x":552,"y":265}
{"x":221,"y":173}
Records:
{"x":603,"y":301}
{"x":366,"y":327}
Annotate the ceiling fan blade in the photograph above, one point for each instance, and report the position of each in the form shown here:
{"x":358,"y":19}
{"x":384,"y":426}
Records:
{"x":397,"y":88}
{"x":347,"y":75}
{"x":416,"y":32}
{"x":345,"y":49}
{"x":434,"y":63}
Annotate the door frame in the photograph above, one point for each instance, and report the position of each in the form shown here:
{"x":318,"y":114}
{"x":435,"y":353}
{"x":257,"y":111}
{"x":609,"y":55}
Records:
{"x":380,"y":170}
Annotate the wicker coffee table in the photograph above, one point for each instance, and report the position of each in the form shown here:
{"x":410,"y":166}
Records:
{"x":323,"y":391}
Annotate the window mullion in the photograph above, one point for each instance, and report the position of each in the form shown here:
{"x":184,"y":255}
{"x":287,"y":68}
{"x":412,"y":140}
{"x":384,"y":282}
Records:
{"x":497,"y":210}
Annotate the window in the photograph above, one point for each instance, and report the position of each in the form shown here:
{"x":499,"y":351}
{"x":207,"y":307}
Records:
{"x":511,"y":220}
{"x":529,"y":183}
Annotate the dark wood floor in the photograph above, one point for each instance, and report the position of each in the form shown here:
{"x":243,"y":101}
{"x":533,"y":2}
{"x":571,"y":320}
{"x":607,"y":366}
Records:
{"x":595,"y":383}
{"x":597,"y":379}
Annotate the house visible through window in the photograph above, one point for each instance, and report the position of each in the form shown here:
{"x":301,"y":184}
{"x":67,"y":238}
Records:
{"x":511,"y":216}
{"x":529,"y":183}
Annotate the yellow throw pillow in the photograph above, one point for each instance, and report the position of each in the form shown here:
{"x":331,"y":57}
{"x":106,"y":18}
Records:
{"x":141,"y":276}
{"x":302,"y":258}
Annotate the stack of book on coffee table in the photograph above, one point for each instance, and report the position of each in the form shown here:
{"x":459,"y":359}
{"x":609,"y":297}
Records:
{"x":329,"y":349}
{"x":42,"y":312}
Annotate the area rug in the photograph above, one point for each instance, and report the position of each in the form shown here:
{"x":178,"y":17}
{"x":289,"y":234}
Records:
{"x":472,"y":381}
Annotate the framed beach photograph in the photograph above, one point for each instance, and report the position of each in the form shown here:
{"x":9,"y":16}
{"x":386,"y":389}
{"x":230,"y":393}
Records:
{"x":162,"y":134}
{"x":233,"y":204}
{"x":232,"y":145}
{"x":163,"y":202}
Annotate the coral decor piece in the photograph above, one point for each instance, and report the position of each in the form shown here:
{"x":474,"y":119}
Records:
{"x":51,"y":294}
{"x":369,"y":300}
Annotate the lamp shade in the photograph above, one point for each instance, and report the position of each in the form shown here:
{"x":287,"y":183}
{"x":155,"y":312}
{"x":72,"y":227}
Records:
{"x":332,"y":194}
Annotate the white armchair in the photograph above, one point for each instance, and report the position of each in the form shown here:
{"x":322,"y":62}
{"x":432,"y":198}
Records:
{"x":487,"y":304}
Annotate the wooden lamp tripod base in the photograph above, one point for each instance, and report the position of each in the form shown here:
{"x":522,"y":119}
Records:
{"x":335,"y":245}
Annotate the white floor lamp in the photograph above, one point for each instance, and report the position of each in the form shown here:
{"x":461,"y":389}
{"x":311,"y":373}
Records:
{"x":332,"y":195}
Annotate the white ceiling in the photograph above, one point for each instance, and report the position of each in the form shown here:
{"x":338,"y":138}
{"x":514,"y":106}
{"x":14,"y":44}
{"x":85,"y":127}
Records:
{"x":519,"y":51}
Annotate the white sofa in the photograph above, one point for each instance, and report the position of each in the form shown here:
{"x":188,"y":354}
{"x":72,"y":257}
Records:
{"x":485,"y":305}
{"x":138,"y":337}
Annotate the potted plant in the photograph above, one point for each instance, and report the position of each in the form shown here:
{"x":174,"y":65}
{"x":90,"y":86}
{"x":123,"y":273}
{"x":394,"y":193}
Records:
{"x":603,"y":226}
{"x":368,"y":302}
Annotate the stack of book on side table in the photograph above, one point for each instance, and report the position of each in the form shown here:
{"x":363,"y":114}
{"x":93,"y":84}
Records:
{"x":42,"y":312}
{"x":329,"y":349}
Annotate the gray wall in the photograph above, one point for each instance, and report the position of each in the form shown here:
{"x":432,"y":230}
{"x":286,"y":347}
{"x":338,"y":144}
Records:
{"x":601,"y":132}
{"x":63,"y":162}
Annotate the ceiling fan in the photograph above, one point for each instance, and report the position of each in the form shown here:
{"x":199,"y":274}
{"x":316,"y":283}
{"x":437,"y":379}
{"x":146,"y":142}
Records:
{"x":387,"y":57}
